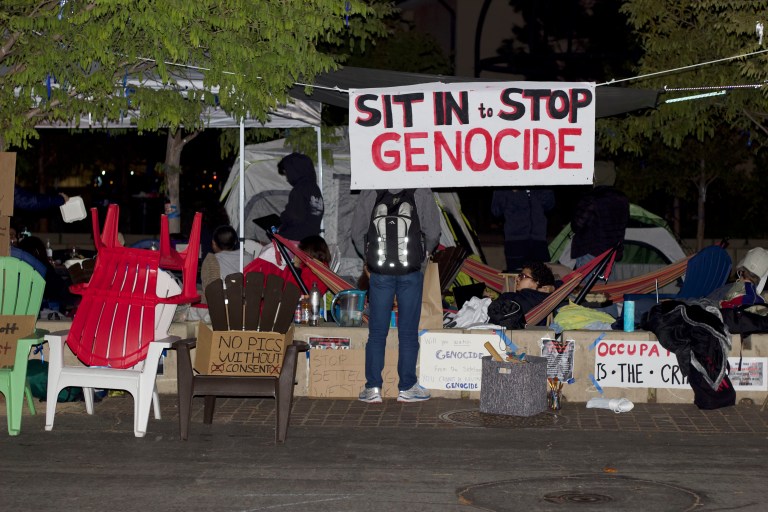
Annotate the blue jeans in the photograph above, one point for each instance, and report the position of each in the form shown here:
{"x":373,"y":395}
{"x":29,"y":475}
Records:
{"x":381,"y":296}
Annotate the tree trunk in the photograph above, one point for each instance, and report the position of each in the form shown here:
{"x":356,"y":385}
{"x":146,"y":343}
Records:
{"x":172,"y":170}
{"x":41,"y":165}
{"x":701,"y":185}
{"x":676,"y":224}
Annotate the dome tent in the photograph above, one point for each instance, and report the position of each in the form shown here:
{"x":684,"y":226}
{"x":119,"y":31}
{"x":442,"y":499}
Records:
{"x":649,"y":243}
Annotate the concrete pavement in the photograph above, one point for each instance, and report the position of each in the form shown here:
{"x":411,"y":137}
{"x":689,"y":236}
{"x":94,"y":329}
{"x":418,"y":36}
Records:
{"x":343,"y":455}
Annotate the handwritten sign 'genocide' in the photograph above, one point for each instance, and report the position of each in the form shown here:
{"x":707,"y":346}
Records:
{"x":472,"y":134}
{"x":453,"y":361}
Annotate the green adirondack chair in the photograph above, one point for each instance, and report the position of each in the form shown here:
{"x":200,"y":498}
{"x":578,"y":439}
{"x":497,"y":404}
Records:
{"x":21,"y":293}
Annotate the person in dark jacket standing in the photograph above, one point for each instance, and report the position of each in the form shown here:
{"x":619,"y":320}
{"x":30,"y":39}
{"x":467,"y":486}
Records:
{"x":601,"y":217}
{"x":304,"y":212}
{"x":525,"y":223}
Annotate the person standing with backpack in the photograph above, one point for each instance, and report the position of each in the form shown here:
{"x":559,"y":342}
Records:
{"x":395,"y":230}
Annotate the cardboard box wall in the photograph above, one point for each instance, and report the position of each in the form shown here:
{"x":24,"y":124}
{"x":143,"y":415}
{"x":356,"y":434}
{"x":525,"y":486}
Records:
{"x":527,"y":340}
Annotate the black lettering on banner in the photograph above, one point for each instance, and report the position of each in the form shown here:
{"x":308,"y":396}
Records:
{"x":373,"y":116}
{"x":407,"y":101}
{"x":580,"y":98}
{"x":536,"y":96}
{"x":518,"y":109}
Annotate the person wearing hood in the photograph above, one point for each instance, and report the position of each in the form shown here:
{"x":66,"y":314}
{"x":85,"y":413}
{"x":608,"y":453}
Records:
{"x":601,"y":217}
{"x":303,"y":213}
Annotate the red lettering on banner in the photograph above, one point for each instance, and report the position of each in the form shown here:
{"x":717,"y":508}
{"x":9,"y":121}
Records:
{"x":442,"y":145}
{"x":487,"y":142}
{"x":393,"y":155}
{"x":410,"y":151}
{"x":538,"y":133}
{"x":500,"y":162}
{"x":564,"y":148}
{"x":476,"y":149}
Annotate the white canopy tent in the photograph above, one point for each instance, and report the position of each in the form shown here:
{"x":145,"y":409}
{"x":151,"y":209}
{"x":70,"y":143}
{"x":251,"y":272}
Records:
{"x":300,"y":113}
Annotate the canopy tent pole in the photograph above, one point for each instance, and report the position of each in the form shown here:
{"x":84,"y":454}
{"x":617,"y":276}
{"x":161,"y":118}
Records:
{"x":242,"y":193}
{"x":320,"y":173}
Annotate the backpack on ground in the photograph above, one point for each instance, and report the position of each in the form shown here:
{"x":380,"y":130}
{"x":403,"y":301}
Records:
{"x":395,"y":242}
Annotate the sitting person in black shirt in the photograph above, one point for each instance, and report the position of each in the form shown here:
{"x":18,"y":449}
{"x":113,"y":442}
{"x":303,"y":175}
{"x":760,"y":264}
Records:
{"x":532,"y":285}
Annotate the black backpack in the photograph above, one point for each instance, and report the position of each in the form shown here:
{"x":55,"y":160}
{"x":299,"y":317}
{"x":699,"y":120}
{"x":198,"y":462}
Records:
{"x":394,"y":243}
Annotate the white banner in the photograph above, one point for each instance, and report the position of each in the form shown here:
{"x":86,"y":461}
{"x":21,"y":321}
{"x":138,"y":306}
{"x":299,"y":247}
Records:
{"x":472,"y":135}
{"x":453,"y":361}
{"x":646,"y":364}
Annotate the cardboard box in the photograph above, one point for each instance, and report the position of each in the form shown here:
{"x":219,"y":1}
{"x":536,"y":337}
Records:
{"x":7,"y":182}
{"x":244,"y":353}
{"x":341,"y":373}
{"x":514,"y":389}
{"x":12,"y":329}
{"x":5,"y":236}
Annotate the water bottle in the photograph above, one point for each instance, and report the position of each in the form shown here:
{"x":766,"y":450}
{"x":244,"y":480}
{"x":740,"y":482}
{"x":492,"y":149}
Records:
{"x":629,"y":315}
{"x":314,"y":302}
{"x":49,"y":250}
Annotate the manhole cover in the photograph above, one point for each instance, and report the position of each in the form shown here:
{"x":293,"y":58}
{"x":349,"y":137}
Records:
{"x":474,"y":418}
{"x":589,"y":492}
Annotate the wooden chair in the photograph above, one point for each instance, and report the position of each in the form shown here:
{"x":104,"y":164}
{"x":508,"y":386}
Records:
{"x":262,"y":306}
{"x":21,"y":294}
{"x":81,"y":271}
{"x":121,"y":326}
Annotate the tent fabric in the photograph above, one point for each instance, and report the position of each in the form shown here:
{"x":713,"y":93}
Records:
{"x":299,"y":113}
{"x":332,"y":88}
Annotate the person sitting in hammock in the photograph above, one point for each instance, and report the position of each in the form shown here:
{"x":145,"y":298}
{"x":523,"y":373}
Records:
{"x":270,"y":261}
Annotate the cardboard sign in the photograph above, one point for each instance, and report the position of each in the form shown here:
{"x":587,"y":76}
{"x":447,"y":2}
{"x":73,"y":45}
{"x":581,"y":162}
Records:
{"x":637,"y":364}
{"x":559,"y":354}
{"x":5,"y":236}
{"x":12,"y":329}
{"x":453,"y":361}
{"x":752,"y":376}
{"x":341,"y":373}
{"x":472,"y":134}
{"x":7,"y":182}
{"x":244,"y":353}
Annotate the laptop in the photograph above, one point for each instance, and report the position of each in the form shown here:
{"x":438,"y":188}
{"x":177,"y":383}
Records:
{"x":268,"y":222}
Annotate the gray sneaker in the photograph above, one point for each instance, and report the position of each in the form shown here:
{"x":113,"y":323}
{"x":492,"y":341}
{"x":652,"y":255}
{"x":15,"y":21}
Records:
{"x":370,"y":395}
{"x":417,"y":393}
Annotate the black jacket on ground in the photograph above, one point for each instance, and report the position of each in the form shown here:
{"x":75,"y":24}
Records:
{"x":304,"y":212}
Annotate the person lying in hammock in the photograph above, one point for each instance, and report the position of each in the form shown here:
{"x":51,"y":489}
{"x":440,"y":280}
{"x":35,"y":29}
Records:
{"x":533,"y":284}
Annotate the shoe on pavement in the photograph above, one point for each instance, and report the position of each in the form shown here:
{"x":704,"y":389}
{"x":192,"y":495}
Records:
{"x":416,"y":393}
{"x":370,"y":395}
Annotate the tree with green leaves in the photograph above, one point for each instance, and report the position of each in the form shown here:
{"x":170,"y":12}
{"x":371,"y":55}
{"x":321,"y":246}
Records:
{"x":107,"y":59}
{"x":709,"y":135}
